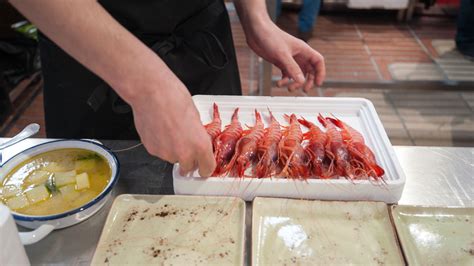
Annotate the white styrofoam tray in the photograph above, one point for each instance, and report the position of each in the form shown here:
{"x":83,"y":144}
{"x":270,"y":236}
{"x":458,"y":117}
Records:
{"x":357,"y":112}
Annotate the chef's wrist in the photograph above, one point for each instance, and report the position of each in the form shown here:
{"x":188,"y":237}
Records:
{"x":145,"y":83}
{"x":252,"y":14}
{"x":256,"y":18}
{"x":144,"y":92}
{"x":130,"y":90}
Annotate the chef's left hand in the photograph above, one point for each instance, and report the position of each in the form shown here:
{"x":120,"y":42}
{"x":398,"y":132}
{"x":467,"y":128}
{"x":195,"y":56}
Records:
{"x":295,"y":58}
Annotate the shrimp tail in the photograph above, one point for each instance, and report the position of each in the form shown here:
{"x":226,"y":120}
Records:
{"x":258,"y":117}
{"x":271,"y":114}
{"x":322,"y":120}
{"x":305,"y":122}
{"x":215,"y":113}
{"x":235,"y":115}
{"x":338,"y":123}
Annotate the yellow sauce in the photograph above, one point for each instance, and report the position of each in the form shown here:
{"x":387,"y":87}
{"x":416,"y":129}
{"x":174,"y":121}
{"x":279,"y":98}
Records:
{"x":53,"y":162}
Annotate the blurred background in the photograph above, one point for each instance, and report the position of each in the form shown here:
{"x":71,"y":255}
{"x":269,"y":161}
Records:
{"x":400,"y":54}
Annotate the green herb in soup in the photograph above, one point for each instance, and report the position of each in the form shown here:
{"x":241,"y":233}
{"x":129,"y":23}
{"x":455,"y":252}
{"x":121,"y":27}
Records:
{"x":55,"y":182}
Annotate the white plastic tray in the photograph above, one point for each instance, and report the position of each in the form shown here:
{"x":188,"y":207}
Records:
{"x":357,"y":112}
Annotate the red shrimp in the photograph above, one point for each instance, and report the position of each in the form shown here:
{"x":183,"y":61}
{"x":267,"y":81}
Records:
{"x":214,"y":127}
{"x":337,"y":151}
{"x":358,"y":149}
{"x":267,"y":149}
{"x":315,"y":148}
{"x":292,"y":155}
{"x":225,"y":143}
{"x":246,"y":148}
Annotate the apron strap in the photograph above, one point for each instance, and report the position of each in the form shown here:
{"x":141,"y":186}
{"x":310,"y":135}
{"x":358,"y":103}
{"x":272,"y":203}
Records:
{"x":214,"y":51}
{"x":118,"y":105}
{"x":100,"y":95}
{"x":203,"y":45}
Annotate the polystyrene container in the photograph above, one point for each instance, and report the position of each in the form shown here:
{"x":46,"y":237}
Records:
{"x":357,"y":112}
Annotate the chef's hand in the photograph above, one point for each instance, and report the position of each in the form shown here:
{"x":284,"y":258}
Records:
{"x":170,"y":128}
{"x":295,"y":58}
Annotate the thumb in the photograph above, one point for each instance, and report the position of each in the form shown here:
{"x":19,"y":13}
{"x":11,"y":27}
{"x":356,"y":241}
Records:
{"x":206,"y":162}
{"x":293,"y":69}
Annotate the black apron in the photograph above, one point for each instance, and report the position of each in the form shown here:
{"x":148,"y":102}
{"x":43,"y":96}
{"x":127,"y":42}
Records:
{"x":192,"y":37}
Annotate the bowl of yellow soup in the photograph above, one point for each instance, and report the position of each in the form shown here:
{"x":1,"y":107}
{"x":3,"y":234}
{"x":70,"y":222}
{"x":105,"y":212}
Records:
{"x":59,"y":183}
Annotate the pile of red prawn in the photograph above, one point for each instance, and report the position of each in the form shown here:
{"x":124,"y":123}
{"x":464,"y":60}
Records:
{"x":277,"y":151}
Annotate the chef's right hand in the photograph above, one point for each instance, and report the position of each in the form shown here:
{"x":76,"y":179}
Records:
{"x":169,"y":126}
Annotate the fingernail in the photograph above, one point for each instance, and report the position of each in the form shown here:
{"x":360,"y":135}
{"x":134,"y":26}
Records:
{"x":300,"y":78}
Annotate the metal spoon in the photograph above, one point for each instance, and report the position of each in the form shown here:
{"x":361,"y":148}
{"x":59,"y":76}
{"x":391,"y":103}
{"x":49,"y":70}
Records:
{"x":27,"y":132}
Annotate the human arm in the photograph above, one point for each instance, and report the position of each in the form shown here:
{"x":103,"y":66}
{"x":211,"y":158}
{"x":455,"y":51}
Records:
{"x":295,"y":58}
{"x":164,"y":114}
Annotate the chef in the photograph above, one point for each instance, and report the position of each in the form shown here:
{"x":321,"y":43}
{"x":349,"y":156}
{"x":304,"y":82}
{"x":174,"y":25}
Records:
{"x":123,"y":69}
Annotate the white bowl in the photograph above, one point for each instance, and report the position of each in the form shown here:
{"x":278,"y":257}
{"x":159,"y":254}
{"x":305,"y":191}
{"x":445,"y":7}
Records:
{"x":73,"y":216}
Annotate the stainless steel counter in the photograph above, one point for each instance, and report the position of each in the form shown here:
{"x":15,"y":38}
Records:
{"x":435,"y":176}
